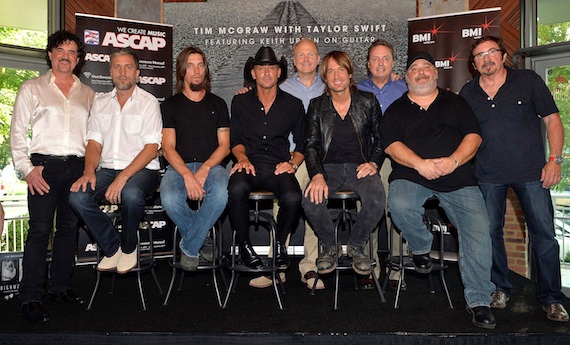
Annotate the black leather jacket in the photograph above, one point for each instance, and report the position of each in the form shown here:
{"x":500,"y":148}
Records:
{"x":365,"y":113}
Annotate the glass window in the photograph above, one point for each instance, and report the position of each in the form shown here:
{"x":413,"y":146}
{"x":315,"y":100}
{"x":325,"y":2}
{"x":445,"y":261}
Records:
{"x":29,"y":30}
{"x":553,"y":21}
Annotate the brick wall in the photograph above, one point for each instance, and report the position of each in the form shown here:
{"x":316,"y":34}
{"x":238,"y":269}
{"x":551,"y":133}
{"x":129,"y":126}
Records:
{"x":515,"y":235}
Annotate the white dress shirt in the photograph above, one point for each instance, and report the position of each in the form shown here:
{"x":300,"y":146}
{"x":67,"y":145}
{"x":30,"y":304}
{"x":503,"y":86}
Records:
{"x":58,"y":124}
{"x":123,"y":133}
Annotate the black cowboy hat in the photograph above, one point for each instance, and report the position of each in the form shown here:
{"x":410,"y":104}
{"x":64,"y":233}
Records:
{"x":265,"y":56}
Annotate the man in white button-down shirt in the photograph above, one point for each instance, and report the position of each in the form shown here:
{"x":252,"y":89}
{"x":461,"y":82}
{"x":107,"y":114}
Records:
{"x":55,"y":106}
{"x":121,"y":163}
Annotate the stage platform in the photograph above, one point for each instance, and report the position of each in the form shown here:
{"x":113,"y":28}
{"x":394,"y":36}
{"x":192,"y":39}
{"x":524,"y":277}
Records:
{"x":253,"y":317}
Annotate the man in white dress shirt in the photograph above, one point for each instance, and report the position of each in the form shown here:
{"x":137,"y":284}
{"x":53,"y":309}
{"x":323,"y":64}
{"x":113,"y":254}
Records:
{"x":55,"y":106}
{"x":121,"y":163}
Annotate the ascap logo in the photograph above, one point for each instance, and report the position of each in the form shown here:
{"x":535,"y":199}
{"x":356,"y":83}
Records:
{"x":157,"y":224}
{"x":138,"y":42}
{"x":473,"y":32}
{"x":91,"y":247}
{"x":97,"y":57}
{"x":152,"y":80}
{"x":109,"y":208}
{"x":422,"y":38}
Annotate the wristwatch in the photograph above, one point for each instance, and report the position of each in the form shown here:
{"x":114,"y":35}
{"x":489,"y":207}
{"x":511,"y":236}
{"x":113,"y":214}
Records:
{"x":295,"y":166}
{"x":556,"y":159}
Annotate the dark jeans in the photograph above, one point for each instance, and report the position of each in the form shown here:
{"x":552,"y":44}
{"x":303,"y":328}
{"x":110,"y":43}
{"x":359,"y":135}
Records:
{"x":538,"y":212}
{"x":372,"y":198}
{"x":284,"y":186}
{"x":59,"y":175}
{"x":86,"y":204}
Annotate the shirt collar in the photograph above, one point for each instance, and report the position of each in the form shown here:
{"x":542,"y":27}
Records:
{"x":52,"y":78}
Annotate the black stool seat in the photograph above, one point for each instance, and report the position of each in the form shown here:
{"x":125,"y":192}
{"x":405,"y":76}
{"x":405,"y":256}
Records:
{"x":215,"y":266}
{"x":269,"y":264}
{"x":145,"y":261}
{"x":345,"y":218}
{"x":405,"y":263}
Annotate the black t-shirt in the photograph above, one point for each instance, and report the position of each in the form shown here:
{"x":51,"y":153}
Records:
{"x":266,"y":136}
{"x":511,"y":124}
{"x":432,"y":133}
{"x":196,"y":124}
{"x":344,"y":146}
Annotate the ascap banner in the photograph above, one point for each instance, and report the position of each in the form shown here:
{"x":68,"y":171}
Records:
{"x":151,"y":42}
{"x":448,"y":39}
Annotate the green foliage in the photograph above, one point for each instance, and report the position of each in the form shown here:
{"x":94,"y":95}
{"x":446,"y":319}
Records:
{"x":17,"y":232}
{"x":10,"y":81}
{"x":553,"y":33}
{"x":24,"y":38}
{"x":567,"y":257}
{"x":558,"y":83}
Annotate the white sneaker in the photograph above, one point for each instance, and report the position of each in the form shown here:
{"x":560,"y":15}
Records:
{"x":110,"y":263}
{"x":127,"y":262}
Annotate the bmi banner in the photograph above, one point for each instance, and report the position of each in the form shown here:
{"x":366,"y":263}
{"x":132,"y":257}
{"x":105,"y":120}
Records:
{"x":152,"y":42}
{"x":448,"y":39}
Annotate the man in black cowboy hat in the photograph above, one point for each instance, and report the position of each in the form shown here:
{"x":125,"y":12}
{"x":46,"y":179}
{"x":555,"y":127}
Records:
{"x":260,"y":125}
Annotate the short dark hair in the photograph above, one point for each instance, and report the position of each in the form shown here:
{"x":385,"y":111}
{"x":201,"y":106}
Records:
{"x":181,"y":68}
{"x":497,"y":40}
{"x":381,"y":42}
{"x":125,"y":51}
{"x":60,"y":37}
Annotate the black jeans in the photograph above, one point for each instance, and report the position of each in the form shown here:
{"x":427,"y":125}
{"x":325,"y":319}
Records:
{"x":372,"y":198}
{"x":284,"y":186}
{"x":60,"y":175}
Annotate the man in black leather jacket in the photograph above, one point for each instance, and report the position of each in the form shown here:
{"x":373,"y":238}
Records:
{"x":343,"y":152}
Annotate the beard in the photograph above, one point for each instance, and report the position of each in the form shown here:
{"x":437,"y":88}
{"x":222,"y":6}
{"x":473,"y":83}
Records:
{"x":196,"y":87}
{"x":422,"y":90}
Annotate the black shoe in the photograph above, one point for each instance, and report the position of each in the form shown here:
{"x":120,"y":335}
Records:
{"x":207,"y":250}
{"x":422,"y":263}
{"x":482,"y":317}
{"x":67,"y":296}
{"x":34,"y":311}
{"x":249,"y":257}
{"x":282,"y":260}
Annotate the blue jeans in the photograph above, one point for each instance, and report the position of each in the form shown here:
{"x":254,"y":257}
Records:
{"x":465,"y":208}
{"x":194,"y":224}
{"x":372,"y":199}
{"x":86,"y":205}
{"x":538,"y":212}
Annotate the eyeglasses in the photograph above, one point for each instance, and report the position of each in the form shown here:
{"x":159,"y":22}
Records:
{"x":481,"y":55}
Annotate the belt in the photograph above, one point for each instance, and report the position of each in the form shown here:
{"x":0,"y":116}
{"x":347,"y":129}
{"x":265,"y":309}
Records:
{"x":56,"y":158}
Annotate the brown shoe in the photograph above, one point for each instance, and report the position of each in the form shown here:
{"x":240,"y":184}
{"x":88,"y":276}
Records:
{"x":309,"y":280}
{"x":500,"y":299}
{"x":393,"y":284}
{"x":556,"y":312}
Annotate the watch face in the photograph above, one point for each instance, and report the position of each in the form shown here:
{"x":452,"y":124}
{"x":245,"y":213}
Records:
{"x":558,"y":159}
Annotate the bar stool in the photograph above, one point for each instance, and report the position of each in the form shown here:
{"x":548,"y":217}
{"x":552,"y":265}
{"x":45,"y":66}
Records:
{"x":269,"y":265}
{"x":214,"y":266}
{"x":403,"y":263}
{"x":145,"y":262}
{"x":345,"y":219}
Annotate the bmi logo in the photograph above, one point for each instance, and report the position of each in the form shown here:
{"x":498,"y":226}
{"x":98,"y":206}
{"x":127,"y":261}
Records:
{"x":472,"y":32}
{"x":445,"y":64}
{"x":91,"y":37}
{"x":422,"y":38}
